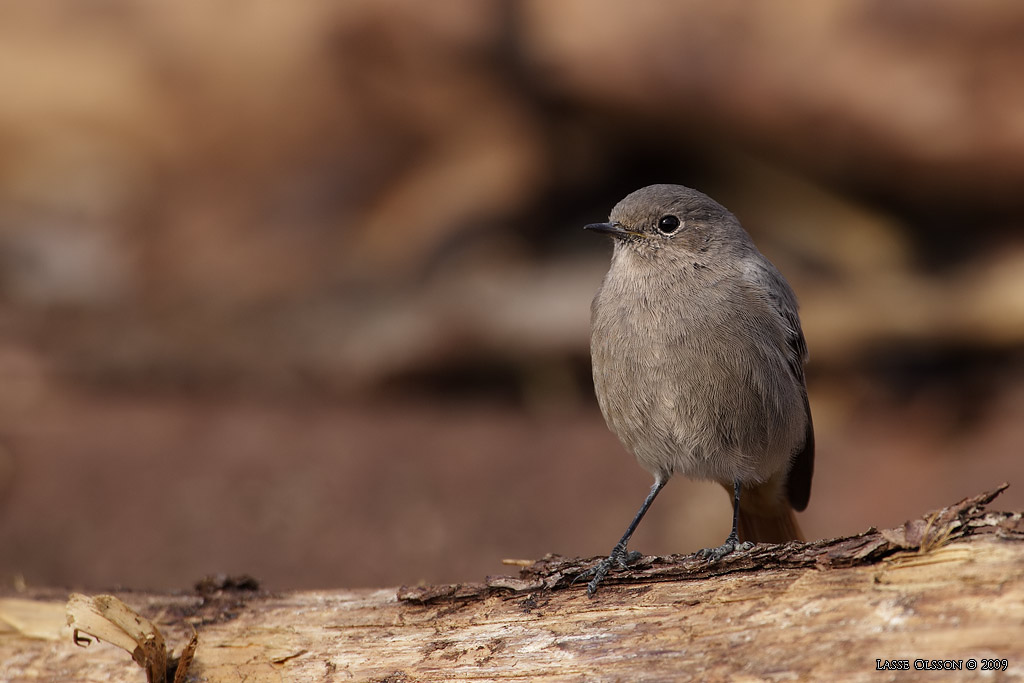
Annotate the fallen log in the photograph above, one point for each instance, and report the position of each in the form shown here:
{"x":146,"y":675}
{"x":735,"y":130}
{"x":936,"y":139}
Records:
{"x":944,"y":593}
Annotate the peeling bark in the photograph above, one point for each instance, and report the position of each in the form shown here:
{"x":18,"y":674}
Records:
{"x":947,"y":588}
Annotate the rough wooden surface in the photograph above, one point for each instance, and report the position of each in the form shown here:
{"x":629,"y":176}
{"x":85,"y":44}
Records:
{"x":947,"y":587}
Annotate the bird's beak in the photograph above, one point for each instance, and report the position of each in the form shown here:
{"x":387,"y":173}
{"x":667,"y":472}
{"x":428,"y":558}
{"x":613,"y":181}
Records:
{"x":613,"y":229}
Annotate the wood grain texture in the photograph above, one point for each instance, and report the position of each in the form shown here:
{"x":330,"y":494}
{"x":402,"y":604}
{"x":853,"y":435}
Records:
{"x":961,"y":597}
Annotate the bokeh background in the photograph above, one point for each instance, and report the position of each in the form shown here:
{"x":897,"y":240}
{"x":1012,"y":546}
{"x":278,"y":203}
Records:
{"x":300,"y":290}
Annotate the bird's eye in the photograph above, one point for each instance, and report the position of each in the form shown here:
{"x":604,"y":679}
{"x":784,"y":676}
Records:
{"x":668,"y":224}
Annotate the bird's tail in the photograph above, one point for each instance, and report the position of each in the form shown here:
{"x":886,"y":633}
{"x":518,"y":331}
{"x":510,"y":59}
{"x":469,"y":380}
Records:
{"x":766,"y":516}
{"x":780,"y":527}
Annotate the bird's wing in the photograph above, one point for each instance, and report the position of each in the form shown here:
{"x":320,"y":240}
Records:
{"x":768,"y":279}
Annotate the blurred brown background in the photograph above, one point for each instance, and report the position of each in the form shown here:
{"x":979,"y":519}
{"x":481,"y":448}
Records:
{"x":300,"y":289}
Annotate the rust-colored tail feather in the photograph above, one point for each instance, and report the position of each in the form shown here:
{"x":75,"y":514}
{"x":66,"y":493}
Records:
{"x":779,"y":526}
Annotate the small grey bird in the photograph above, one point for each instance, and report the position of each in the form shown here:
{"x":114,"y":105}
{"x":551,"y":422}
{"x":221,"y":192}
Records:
{"x":698,"y":362}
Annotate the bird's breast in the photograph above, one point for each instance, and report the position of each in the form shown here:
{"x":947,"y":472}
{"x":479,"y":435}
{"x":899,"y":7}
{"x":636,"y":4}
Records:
{"x":692,"y":382}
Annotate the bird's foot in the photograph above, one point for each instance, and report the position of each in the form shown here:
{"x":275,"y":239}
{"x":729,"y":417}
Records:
{"x":732,"y":543}
{"x":618,"y":558}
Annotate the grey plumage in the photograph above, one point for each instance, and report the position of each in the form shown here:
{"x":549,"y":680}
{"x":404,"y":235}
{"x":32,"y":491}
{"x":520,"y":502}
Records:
{"x":698,"y":354}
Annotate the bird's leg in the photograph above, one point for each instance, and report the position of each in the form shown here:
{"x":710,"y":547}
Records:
{"x":619,"y":557}
{"x":732,"y":542}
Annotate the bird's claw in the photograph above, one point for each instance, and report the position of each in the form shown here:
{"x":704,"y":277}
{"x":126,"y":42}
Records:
{"x":732,"y":544}
{"x":619,"y":558}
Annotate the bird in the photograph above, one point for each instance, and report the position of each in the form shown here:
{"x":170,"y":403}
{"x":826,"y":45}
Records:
{"x":698,"y":359}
